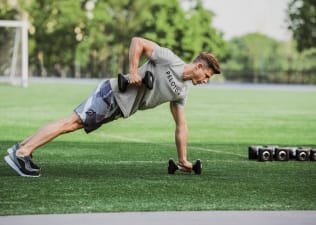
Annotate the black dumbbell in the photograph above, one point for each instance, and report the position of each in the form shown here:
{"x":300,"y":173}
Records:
{"x":148,"y":80}
{"x":313,"y":155}
{"x":197,"y":167}
{"x":266,"y":154}
{"x":282,"y":154}
{"x":292,"y":153}
{"x":302,"y":154}
{"x":173,"y":167}
{"x":253,"y":151}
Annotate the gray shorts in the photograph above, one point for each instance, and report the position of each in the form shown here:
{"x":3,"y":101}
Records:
{"x":99,"y":108}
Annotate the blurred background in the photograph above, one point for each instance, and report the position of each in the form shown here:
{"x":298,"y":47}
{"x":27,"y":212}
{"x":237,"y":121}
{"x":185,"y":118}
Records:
{"x":90,"y":38}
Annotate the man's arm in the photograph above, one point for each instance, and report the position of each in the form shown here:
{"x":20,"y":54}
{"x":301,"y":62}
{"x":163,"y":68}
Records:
{"x":181,"y":135}
{"x":138,"y":47}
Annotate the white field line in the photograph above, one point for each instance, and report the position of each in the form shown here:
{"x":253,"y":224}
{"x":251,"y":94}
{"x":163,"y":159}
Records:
{"x":123,"y":138}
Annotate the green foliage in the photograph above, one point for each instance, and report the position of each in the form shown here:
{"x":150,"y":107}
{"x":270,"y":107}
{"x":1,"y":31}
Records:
{"x":302,"y":22}
{"x":258,"y":58}
{"x":91,"y":37}
{"x":54,"y":36}
{"x":7,"y":11}
{"x":253,"y":52}
{"x":200,"y":35}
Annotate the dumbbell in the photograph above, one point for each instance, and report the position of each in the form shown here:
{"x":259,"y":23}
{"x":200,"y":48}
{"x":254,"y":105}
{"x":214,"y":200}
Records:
{"x":197,"y":167}
{"x":173,"y":167}
{"x":302,"y":154}
{"x":148,"y":80}
{"x":292,"y":153}
{"x":266,"y":154}
{"x":254,"y":152}
{"x":313,"y":155}
{"x":282,"y":154}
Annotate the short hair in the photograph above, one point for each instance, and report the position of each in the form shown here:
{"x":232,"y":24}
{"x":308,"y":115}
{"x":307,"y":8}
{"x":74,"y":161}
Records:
{"x":209,"y":60}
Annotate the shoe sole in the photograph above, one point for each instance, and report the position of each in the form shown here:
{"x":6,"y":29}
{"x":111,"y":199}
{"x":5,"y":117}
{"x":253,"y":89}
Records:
{"x":16,"y":169}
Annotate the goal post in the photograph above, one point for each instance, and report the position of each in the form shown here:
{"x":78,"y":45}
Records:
{"x":15,"y":69}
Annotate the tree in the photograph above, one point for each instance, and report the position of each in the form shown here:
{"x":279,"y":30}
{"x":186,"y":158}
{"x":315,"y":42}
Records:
{"x":253,"y":55}
{"x":302,"y":22}
{"x":91,"y":37}
{"x":52,"y":35}
{"x":200,"y":35}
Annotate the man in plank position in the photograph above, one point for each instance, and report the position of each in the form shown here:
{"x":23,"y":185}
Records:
{"x":107,"y":103}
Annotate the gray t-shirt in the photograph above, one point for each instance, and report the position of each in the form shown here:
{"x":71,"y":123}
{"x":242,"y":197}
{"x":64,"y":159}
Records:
{"x":167,"y":69}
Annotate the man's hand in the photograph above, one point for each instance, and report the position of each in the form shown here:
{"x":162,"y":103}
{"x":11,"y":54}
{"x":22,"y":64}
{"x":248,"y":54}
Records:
{"x":135,"y":79}
{"x":185,"y":166}
{"x":138,"y":47}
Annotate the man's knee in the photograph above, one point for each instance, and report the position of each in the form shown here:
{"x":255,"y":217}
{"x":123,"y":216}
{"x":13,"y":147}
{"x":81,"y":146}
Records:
{"x":71,"y":123}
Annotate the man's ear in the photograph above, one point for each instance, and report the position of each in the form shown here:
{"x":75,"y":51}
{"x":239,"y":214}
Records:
{"x":199,"y":65}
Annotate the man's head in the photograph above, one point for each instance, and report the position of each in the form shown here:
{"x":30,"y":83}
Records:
{"x":203,"y":67}
{"x":209,"y":61}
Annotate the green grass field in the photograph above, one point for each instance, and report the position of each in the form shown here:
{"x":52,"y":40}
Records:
{"x":122,"y":165}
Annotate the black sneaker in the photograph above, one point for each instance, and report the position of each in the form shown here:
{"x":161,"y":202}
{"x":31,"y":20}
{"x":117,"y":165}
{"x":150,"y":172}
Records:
{"x":14,"y":148}
{"x":21,"y":165}
{"x":172,"y":166}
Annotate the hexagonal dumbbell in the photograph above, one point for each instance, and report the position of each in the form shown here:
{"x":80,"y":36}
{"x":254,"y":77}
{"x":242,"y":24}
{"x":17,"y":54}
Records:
{"x":313,"y":155}
{"x":282,"y":154}
{"x":302,"y":154}
{"x":265,"y":154}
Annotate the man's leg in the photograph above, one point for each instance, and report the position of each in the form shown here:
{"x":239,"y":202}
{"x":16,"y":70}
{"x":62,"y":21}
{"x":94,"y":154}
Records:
{"x":19,"y":156}
{"x":48,"y":133}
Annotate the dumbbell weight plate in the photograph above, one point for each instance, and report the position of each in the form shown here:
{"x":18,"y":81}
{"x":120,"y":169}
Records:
{"x":281,"y":154}
{"x":265,"y":154}
{"x":302,"y":155}
{"x":313,"y":155}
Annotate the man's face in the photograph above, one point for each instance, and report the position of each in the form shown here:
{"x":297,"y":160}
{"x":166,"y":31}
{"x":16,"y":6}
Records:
{"x":201,"y":75}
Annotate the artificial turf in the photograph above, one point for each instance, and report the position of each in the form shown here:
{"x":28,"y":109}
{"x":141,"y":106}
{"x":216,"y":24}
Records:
{"x":123,"y":165}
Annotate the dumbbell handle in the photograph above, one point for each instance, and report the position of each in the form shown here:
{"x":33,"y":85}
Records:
{"x":123,"y":81}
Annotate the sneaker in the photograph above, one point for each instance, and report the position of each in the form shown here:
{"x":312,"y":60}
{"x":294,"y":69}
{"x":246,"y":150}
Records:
{"x":14,"y":148}
{"x":21,"y":165}
{"x":172,"y":166}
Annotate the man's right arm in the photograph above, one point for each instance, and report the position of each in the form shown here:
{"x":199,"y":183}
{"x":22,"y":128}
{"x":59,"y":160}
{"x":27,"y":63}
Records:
{"x":138,"y":47}
{"x":181,"y":135}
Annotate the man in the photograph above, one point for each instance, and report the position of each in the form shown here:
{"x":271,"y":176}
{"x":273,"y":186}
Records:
{"x":107,"y":103}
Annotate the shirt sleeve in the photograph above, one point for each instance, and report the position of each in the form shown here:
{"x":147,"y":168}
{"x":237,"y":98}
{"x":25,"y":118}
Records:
{"x":164,"y":56}
{"x":180,"y":103}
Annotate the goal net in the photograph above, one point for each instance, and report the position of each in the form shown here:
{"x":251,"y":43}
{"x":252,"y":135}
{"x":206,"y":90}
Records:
{"x":14,"y":52}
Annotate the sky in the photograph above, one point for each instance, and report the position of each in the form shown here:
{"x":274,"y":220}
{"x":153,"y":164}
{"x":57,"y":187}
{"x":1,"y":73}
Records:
{"x":238,"y":17}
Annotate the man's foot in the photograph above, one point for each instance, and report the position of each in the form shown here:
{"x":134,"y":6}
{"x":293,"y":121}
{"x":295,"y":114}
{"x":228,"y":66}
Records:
{"x":21,"y":165}
{"x":14,"y":148}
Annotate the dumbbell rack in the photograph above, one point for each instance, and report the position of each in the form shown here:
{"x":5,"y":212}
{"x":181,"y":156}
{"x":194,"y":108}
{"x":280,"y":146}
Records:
{"x":263,"y":153}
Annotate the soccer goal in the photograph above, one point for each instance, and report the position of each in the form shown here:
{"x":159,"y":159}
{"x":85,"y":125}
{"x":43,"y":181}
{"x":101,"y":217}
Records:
{"x":14,"y":52}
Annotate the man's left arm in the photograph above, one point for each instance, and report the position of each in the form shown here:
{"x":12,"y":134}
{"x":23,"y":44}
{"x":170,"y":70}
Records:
{"x":181,"y":135}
